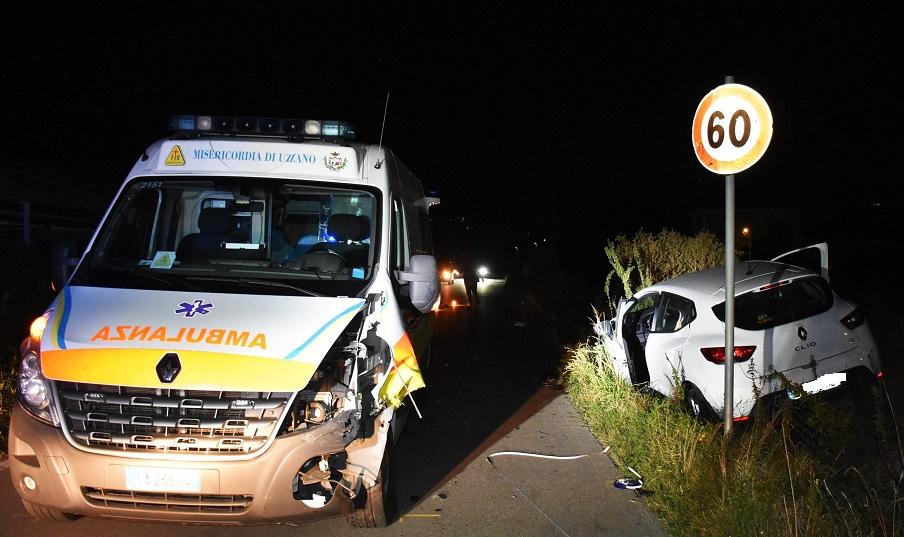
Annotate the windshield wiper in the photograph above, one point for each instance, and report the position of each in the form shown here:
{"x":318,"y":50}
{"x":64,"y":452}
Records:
{"x":251,"y":281}
{"x":168,"y":278}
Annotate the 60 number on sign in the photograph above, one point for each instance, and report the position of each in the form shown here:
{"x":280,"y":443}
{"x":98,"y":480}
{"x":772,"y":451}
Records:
{"x":732,"y":129}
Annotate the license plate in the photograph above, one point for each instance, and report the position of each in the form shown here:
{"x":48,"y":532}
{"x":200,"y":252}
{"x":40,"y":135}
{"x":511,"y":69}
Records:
{"x":163,"y":479}
{"x":824,"y":382}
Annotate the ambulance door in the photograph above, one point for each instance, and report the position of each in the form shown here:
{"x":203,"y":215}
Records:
{"x":410,"y":237}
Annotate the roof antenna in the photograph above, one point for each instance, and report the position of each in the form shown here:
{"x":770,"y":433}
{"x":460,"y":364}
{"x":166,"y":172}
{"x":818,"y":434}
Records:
{"x":379,"y":163}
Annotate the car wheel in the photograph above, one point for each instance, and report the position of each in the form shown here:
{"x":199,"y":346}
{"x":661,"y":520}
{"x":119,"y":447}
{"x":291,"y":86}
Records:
{"x":698,"y":406}
{"x":39,"y":512}
{"x":375,"y":507}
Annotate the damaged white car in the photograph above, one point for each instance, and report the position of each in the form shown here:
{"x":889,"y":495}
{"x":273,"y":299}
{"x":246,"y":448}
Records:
{"x":791,"y":330}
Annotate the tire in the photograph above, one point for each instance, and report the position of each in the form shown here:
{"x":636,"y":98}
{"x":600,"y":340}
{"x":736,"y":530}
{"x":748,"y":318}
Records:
{"x":698,"y":406}
{"x":375,"y":507}
{"x":39,"y":512}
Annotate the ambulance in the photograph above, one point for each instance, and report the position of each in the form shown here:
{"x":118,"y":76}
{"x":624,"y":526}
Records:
{"x":240,"y":341}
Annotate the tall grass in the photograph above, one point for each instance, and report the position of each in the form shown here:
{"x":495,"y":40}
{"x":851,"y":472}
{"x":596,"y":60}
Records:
{"x":7,"y":397}
{"x":758,"y":482}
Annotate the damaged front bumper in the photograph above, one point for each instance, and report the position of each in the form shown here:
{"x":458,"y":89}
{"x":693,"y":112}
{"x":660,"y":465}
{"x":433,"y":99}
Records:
{"x":305,"y":475}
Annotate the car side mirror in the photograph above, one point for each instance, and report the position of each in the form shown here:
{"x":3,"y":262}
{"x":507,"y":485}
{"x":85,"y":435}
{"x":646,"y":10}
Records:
{"x":423,"y":282}
{"x":604,"y":328}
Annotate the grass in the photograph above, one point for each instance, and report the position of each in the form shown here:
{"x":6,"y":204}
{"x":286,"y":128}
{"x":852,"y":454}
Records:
{"x":7,"y":397}
{"x":24,"y":293}
{"x":791,"y":473}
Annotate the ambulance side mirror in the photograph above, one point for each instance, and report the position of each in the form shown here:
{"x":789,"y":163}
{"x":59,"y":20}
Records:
{"x":63,"y":260}
{"x":423,"y":288}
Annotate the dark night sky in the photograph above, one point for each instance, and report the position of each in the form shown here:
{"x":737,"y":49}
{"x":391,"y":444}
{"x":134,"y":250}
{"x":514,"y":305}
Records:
{"x":580,"y":118}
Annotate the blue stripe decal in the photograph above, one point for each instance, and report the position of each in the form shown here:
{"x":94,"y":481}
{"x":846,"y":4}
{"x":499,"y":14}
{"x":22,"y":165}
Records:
{"x":294,"y":353}
{"x":67,"y":307}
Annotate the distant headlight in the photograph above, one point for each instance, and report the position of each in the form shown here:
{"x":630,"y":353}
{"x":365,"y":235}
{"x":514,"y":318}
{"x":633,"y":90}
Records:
{"x":447,"y":275}
{"x":482,"y":271}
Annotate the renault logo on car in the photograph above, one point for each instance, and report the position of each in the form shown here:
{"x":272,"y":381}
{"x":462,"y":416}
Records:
{"x":168,"y":367}
{"x":802,"y":334}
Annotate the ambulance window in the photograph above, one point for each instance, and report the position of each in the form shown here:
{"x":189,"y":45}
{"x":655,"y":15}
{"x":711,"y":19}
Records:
{"x":400,"y":250}
{"x":137,"y":227}
{"x":411,"y":233}
{"x":418,"y":229}
{"x":418,"y":235}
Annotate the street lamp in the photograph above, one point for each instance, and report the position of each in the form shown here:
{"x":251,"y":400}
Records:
{"x":746,"y":233}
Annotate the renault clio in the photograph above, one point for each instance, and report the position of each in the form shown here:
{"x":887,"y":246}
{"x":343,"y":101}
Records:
{"x":793,"y":334}
{"x":240,"y":340}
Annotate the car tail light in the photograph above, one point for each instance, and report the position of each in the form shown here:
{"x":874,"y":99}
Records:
{"x":853,"y":319}
{"x":716,"y":355}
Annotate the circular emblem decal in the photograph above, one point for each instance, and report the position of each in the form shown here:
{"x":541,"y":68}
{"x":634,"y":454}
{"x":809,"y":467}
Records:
{"x":335,"y":162}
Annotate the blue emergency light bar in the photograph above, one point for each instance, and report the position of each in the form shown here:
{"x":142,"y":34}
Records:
{"x":300,"y":128}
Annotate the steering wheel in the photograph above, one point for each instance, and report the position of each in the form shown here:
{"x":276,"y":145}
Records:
{"x":337,"y":254}
{"x":311,"y":261}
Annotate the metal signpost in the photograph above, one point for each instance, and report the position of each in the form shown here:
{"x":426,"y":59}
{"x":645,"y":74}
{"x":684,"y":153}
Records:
{"x":731,"y":130}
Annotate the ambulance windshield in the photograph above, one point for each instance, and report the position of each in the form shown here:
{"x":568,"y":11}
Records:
{"x":236,"y":235}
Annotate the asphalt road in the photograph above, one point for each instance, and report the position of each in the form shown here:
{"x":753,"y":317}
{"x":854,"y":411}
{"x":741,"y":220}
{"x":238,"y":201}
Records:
{"x":488,"y":391}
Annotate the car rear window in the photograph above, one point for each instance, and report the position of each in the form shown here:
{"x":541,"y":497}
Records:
{"x":779,"y":303}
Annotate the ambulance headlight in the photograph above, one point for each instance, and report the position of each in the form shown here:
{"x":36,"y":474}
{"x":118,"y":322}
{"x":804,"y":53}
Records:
{"x":34,"y":389}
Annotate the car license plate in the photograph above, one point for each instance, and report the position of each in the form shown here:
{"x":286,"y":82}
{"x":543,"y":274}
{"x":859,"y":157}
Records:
{"x":824,"y":382}
{"x":163,"y":479}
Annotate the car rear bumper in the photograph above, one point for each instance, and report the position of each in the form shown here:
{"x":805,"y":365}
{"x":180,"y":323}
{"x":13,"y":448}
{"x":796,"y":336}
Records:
{"x":249,"y":491}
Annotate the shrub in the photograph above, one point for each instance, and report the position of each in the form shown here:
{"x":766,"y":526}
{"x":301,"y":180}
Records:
{"x":645,"y":259}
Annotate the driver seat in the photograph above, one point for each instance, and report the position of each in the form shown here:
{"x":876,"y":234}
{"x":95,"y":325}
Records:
{"x":214,"y":224}
{"x":349,"y":230}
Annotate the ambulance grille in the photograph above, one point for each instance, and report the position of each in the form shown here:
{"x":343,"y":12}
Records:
{"x":122,"y":418}
{"x":163,"y":501}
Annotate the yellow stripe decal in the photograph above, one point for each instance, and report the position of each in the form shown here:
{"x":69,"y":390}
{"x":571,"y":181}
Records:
{"x":60,"y":318}
{"x":201,"y":370}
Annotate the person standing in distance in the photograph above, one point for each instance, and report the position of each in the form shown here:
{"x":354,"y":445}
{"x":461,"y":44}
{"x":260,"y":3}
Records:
{"x":471,"y":278}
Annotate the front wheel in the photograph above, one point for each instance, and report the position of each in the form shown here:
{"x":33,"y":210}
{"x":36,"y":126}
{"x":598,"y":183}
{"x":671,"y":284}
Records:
{"x":375,"y":507}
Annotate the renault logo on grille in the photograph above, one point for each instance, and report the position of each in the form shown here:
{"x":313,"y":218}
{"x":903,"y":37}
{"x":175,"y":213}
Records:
{"x":168,"y":367}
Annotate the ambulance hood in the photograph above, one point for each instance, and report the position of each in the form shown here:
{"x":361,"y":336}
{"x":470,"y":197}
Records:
{"x":212,"y":341}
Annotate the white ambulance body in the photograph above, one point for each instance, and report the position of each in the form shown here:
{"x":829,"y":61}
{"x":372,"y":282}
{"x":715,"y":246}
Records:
{"x":239,"y":341}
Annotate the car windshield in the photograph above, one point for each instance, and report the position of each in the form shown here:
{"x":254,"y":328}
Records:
{"x":780,"y":303}
{"x":237,"y":235}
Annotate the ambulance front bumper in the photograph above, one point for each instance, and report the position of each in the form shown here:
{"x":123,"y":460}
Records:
{"x":256,"y":490}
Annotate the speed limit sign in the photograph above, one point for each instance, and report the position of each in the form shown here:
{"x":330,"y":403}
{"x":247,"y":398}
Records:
{"x":732,"y":129}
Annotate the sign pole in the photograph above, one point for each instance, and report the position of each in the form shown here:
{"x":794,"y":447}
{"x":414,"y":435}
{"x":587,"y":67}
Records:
{"x":731,"y":130}
{"x":729,"y":295}
{"x":729,"y":301}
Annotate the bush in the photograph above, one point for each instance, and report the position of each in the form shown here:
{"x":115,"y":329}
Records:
{"x":646,"y":259}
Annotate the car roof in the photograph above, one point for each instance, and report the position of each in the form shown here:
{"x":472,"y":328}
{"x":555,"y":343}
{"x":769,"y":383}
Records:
{"x":709,"y":285}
